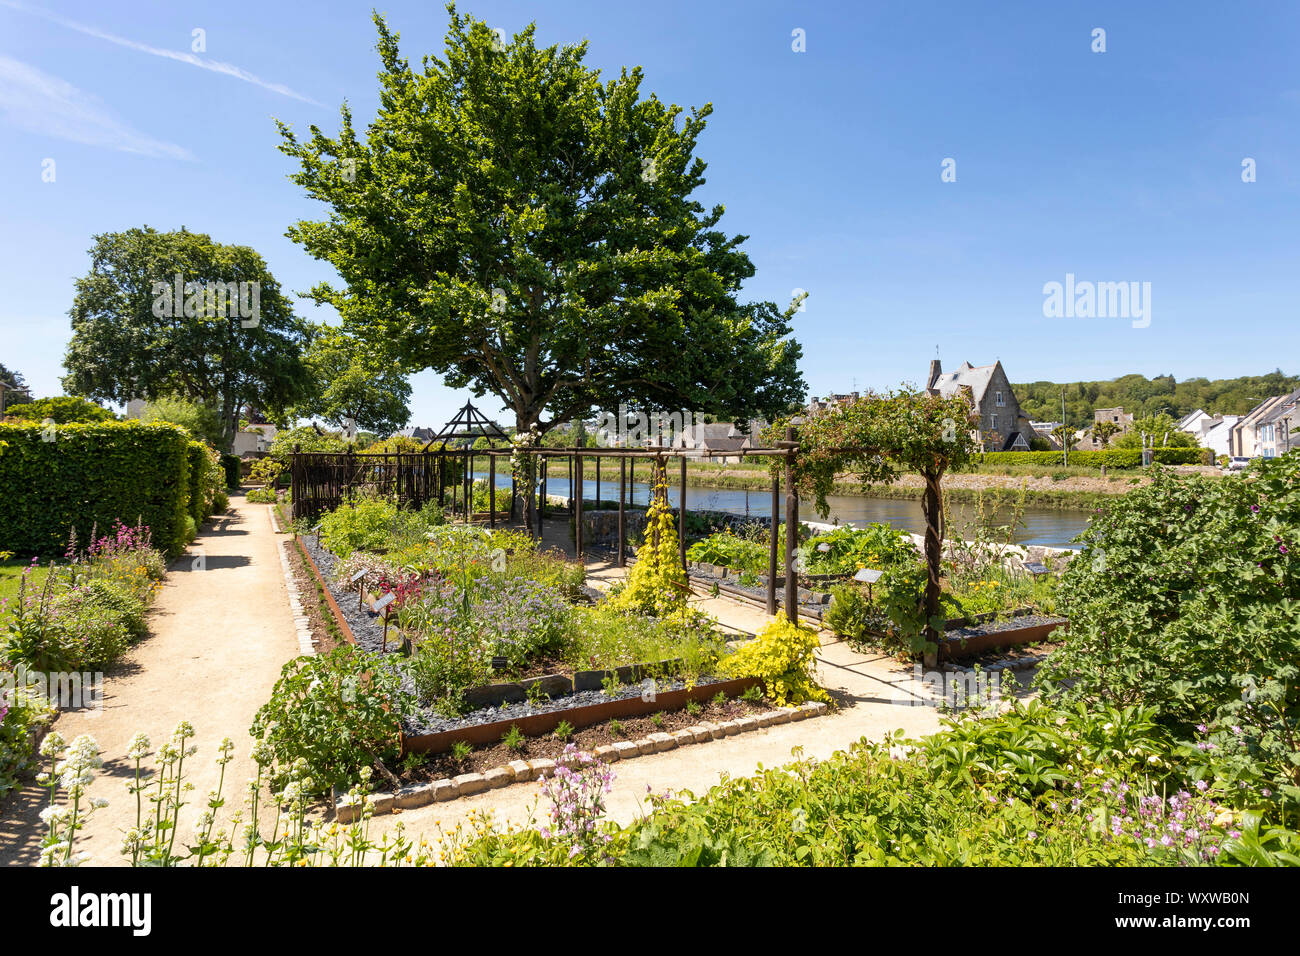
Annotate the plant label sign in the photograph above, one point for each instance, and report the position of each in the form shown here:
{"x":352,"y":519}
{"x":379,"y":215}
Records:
{"x":1035,"y":568}
{"x":358,"y":576}
{"x":316,"y":530}
{"x":868,"y":575}
{"x":384,"y":601}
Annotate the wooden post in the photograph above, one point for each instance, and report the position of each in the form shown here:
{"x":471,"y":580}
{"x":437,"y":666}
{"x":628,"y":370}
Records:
{"x":597,"y":482}
{"x":577,"y":505}
{"x":622,"y":485}
{"x":295,"y":480}
{"x":541,"y":495}
{"x":791,"y":532}
{"x":775,"y":545}
{"x":492,"y":491}
{"x":681,"y":521}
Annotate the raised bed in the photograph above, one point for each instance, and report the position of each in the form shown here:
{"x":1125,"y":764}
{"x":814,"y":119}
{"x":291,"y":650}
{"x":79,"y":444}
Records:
{"x":971,"y":640}
{"x":534,"y":725}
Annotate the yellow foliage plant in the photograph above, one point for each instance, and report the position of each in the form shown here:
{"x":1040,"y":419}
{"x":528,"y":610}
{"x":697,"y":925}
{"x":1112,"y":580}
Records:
{"x":781,"y":656}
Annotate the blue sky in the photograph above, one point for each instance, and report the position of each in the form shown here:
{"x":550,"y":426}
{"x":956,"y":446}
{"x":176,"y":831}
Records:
{"x":1117,"y":166}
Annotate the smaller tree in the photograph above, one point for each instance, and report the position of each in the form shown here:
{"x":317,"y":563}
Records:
{"x":61,"y":409}
{"x":200,"y":421}
{"x":1064,"y":436}
{"x":351,"y":386}
{"x":879,"y":437}
{"x":16,"y":393}
{"x":1155,"y":431}
{"x":1104,"y":431}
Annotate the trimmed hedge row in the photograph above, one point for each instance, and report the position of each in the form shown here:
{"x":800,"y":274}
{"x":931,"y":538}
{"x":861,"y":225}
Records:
{"x":1109,"y":457}
{"x":95,"y":474}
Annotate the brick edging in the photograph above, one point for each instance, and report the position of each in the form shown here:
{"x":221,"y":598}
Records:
{"x":522,"y":771}
{"x":301,"y":624}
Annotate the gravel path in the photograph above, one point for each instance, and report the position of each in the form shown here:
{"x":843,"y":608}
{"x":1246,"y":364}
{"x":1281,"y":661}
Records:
{"x":218,"y":637}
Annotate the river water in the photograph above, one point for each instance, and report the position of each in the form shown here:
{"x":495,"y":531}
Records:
{"x":1042,"y":526}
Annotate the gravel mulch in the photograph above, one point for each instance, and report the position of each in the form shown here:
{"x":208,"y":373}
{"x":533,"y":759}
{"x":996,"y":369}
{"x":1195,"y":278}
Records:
{"x":437,"y":766}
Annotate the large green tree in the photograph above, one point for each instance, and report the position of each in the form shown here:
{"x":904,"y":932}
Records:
{"x":524,"y":228}
{"x":174,"y":313}
{"x":354,"y":384}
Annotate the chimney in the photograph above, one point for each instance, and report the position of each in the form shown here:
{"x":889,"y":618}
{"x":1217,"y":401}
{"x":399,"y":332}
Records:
{"x":935,"y":370}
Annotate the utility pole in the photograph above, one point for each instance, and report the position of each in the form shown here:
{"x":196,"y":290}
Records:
{"x":1065,"y":430}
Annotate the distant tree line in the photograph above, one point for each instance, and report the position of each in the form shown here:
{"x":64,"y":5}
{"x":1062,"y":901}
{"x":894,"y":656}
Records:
{"x":1150,"y":397}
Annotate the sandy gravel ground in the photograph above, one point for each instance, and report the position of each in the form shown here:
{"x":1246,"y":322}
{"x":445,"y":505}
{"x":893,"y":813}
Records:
{"x":218,"y":638}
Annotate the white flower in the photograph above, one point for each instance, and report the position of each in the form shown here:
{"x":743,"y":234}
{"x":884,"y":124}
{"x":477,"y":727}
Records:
{"x":138,"y":749}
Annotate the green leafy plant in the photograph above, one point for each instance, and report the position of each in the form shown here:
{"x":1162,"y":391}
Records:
{"x":514,"y":739}
{"x":563,"y":731}
{"x":460,"y":751}
{"x":339,"y":712}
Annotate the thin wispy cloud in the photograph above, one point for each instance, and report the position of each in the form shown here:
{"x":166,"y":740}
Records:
{"x":46,"y":104}
{"x":181,"y":56}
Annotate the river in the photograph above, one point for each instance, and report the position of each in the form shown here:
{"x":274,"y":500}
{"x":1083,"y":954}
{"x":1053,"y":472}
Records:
{"x":1042,"y":526}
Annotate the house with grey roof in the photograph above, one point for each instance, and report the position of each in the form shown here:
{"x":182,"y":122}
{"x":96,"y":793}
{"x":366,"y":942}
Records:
{"x":1002,"y":426}
{"x":718,"y":437}
{"x":1269,"y":429}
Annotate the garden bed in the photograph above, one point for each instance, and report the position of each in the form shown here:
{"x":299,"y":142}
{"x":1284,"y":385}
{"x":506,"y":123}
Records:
{"x":519,"y":770}
{"x":977,"y":638}
{"x":429,"y":732}
{"x":493,"y":753}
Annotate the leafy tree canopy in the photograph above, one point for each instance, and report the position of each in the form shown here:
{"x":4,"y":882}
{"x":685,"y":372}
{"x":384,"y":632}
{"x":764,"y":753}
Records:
{"x":1143,"y":397}
{"x":352,"y":384}
{"x":14,"y":378}
{"x":1159,"y":431}
{"x":200,"y":421}
{"x":155,"y":316}
{"x":61,"y":410}
{"x":525,"y":229}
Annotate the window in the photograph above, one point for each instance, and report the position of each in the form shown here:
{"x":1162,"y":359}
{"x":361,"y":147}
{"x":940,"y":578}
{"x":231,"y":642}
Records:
{"x":997,"y":399}
{"x":994,"y":425}
{"x":1266,"y":433}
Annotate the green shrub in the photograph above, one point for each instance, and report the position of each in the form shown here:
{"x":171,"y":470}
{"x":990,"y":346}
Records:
{"x":339,"y":712}
{"x":853,"y":617}
{"x":1116,"y":458}
{"x":232,"y":466}
{"x":262,"y":496}
{"x":61,"y":410}
{"x":730,"y":550}
{"x":367,"y":524}
{"x":849,"y":549}
{"x":782,"y":657}
{"x":22,"y":719}
{"x":1184,"y":594}
{"x":91,"y":474}
{"x":1035,"y":786}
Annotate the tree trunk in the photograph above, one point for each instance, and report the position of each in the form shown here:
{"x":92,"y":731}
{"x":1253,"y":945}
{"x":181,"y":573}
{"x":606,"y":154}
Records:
{"x":932,"y":506}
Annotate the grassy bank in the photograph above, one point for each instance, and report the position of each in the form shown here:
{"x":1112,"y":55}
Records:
{"x":1081,"y":489}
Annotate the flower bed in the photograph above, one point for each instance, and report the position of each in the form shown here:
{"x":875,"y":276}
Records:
{"x":489,"y":636}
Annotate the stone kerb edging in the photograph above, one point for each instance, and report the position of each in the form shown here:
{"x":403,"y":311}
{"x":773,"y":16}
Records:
{"x":522,"y":771}
{"x":301,"y":625}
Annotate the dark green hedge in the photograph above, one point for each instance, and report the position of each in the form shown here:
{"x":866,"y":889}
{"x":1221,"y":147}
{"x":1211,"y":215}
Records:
{"x":92,"y":474}
{"x":232,"y":465}
{"x":1110,"y":457}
